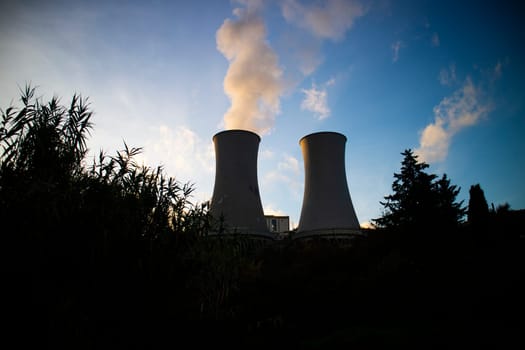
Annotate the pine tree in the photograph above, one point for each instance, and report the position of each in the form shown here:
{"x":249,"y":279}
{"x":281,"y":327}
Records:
{"x":450,"y":212}
{"x":418,"y":200}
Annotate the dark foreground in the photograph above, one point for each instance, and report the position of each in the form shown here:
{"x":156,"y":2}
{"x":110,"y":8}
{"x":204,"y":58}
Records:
{"x":382,"y":290}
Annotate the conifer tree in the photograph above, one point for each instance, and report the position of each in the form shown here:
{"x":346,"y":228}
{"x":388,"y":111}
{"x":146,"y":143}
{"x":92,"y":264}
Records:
{"x":419,"y":200}
{"x":450,"y":212}
{"x":478,"y":209}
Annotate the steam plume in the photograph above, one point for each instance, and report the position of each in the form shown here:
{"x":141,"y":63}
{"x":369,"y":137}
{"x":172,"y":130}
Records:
{"x":254,"y":80}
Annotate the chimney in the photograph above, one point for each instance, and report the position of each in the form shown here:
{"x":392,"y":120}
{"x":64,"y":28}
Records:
{"x":236,"y":196}
{"x":327,"y":207}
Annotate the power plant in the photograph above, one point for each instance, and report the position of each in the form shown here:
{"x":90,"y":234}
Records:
{"x":236,"y":200}
{"x":327,"y":208}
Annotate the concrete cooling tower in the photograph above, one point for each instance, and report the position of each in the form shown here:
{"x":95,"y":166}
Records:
{"x":327,"y":207}
{"x":236,"y":191}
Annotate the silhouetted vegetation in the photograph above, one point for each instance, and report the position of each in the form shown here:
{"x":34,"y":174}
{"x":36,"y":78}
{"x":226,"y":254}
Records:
{"x":478,"y":209}
{"x":419,"y":199}
{"x":109,"y":253}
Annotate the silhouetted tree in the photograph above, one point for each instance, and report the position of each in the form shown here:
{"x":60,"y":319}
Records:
{"x":478,"y":209}
{"x":419,"y":200}
{"x":407,"y":207}
{"x":501,"y":209}
{"x":449,"y":211}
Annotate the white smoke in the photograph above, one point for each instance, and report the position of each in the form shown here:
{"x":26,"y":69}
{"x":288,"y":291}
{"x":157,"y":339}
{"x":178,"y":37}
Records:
{"x":254,"y":79}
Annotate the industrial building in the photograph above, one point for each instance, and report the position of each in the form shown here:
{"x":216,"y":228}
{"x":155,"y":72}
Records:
{"x":327,"y":208}
{"x":277,"y":223}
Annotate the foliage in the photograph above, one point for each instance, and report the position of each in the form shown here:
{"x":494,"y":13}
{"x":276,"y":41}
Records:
{"x":419,"y":199}
{"x":478,"y":209}
{"x":499,"y":220}
{"x":110,"y":253}
{"x":42,"y":166}
{"x":46,"y":141}
{"x":449,"y":211}
{"x":85,"y":232}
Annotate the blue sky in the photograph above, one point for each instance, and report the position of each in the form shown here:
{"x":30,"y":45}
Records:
{"x":444,"y":78}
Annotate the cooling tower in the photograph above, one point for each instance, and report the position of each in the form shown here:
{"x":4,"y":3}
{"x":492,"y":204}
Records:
{"x":236,"y":191}
{"x":327,"y":207}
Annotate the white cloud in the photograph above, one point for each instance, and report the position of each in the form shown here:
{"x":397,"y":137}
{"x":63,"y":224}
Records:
{"x":465,"y":108}
{"x":266,"y":154}
{"x":275,"y":176}
{"x":448,"y":76}
{"x":396,"y":47}
{"x":497,"y":71}
{"x":434,"y":142}
{"x":182,"y":150}
{"x":435,"y":40}
{"x":254,"y":79}
{"x":184,"y":156}
{"x":327,"y":19}
{"x":289,"y":163}
{"x":315,"y":100}
{"x":287,"y":172}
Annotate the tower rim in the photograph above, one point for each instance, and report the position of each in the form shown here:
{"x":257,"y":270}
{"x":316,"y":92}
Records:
{"x":229,"y":131}
{"x":322,"y":133}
